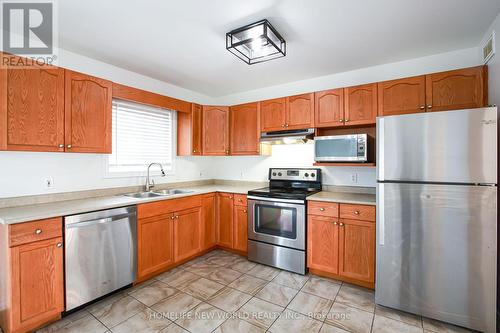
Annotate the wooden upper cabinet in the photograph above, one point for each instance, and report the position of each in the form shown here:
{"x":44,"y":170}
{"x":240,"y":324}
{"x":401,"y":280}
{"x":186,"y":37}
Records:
{"x":401,"y":96}
{"x":329,"y":108}
{"x":189,"y":131}
{"x":88,"y":109}
{"x":244,"y":129}
{"x":37,"y":283}
{"x":32,"y":109}
{"x":300,"y":111}
{"x":273,"y":114}
{"x":357,"y":250}
{"x":240,"y":237}
{"x":457,"y":89}
{"x":215,"y":130}
{"x":225,"y":219}
{"x":322,"y":243}
{"x":187,"y":233}
{"x":360,"y":104}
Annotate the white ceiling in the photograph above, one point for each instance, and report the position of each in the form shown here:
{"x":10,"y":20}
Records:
{"x":183,"y":42}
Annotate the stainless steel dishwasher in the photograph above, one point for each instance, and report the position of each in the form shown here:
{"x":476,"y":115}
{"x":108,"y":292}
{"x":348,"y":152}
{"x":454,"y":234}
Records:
{"x":100,"y":253}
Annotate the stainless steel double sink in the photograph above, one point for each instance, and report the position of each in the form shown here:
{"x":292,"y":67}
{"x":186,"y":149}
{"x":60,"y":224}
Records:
{"x":156,"y":193}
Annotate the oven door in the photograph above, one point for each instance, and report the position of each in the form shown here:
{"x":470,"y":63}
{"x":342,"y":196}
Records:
{"x":277,"y":221}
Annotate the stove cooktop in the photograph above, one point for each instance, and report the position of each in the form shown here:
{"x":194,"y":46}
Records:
{"x":284,"y":193}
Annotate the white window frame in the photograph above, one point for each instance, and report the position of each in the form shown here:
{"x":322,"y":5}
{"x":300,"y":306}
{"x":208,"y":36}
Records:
{"x":155,"y":170}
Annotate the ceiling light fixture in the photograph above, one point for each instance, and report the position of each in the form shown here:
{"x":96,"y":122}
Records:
{"x":256,"y":42}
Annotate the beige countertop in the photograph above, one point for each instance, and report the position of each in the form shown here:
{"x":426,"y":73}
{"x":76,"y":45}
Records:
{"x":344,"y":197}
{"x":32,"y":212}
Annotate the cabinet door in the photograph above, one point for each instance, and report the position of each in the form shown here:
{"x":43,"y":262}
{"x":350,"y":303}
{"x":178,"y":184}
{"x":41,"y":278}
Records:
{"x":401,"y":96}
{"x":155,"y":240}
{"x":360,"y":104}
{"x":322,"y":243}
{"x":357,"y":250}
{"x":245,"y":132}
{"x":88,"y":110}
{"x":273,"y":114}
{"x":240,"y":228}
{"x":458,"y":89}
{"x":32,"y":109}
{"x":329,"y":108}
{"x":37,"y":283}
{"x":189,"y":131}
{"x":215,"y":130}
{"x":225,"y":219}
{"x":187,"y":232}
{"x":208,"y":218}
{"x":300,"y":111}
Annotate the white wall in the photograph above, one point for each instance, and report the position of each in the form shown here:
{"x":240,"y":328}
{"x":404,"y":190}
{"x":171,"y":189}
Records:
{"x":493,"y":64}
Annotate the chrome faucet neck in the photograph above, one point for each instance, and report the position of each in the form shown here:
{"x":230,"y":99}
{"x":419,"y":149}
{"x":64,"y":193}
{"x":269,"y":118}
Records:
{"x":149,"y":182}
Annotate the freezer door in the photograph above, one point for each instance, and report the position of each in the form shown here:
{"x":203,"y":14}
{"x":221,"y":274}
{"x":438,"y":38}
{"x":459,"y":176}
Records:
{"x":436,"y":252}
{"x":450,"y":146}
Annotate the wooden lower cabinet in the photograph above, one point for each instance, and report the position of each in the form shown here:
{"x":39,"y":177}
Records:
{"x":155,"y":249}
{"x":208,"y":221}
{"x":342,"y":248}
{"x":225,"y":219}
{"x":31,"y":278}
{"x":187,"y":233}
{"x":240,"y":221}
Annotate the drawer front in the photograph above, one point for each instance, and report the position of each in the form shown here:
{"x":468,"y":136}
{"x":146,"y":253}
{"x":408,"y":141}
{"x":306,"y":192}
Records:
{"x":167,"y":206}
{"x":240,"y":200}
{"x":357,"y":212}
{"x":330,"y":209}
{"x":29,"y":232}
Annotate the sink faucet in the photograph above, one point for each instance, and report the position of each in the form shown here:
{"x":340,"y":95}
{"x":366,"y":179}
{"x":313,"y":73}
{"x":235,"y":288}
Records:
{"x":149,"y":182}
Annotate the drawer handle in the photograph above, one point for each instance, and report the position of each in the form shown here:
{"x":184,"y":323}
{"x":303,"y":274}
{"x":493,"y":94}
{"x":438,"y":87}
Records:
{"x":322,"y":209}
{"x":356,"y":212}
{"x":38,"y":231}
{"x":59,"y":245}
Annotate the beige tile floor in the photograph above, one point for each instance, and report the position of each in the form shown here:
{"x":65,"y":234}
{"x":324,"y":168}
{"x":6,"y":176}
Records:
{"x":222,"y":292}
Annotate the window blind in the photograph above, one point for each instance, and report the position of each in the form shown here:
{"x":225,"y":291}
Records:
{"x":141,"y":135}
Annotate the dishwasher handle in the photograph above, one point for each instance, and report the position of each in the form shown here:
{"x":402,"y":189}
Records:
{"x":99,"y":221}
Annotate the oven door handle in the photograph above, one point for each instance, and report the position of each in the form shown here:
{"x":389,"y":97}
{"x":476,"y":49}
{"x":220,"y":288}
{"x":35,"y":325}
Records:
{"x":251,"y":197}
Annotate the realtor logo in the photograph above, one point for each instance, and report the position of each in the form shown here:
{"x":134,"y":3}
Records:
{"x":27,"y":28}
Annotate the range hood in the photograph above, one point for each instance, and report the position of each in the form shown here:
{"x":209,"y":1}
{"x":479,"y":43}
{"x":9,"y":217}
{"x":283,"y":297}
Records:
{"x":287,"y":136}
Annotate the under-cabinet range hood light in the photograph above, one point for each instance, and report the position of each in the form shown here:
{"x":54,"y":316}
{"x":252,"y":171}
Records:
{"x":287,"y":136}
{"x":256,"y":42}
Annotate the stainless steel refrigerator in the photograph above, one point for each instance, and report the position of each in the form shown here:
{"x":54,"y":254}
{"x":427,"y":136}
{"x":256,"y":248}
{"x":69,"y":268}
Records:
{"x":437,"y":215}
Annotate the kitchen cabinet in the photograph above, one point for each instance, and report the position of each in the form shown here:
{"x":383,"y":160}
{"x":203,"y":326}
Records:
{"x":32,"y":109}
{"x":189,"y":134}
{"x":240,"y":220}
{"x":225,"y":219}
{"x":300,"y":111}
{"x":360,"y":104}
{"x":88,"y":112}
{"x":215,"y":130}
{"x":341,"y":241}
{"x":401,"y":96}
{"x":244,"y":129}
{"x":458,"y":89}
{"x":155,"y":240}
{"x":208,"y":221}
{"x":187,"y":233}
{"x":329,"y":108}
{"x":32,"y":280}
{"x":273,"y":114}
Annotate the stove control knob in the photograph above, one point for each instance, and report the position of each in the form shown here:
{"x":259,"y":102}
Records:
{"x":306,"y":175}
{"x":312,"y":175}
{"x":279,"y":174}
{"x":274,"y":173}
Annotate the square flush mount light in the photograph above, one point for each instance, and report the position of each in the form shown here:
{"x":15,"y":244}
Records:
{"x":256,"y":42}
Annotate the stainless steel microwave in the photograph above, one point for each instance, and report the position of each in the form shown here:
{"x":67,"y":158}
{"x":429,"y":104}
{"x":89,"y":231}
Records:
{"x":342,"y":148}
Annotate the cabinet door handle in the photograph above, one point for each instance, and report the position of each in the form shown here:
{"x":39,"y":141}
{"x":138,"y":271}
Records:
{"x":240,"y":200}
{"x":194,"y":150}
{"x":429,"y":106}
{"x":61,"y":146}
{"x":335,"y":223}
{"x":322,"y":209}
{"x":38,"y":231}
{"x":244,"y":210}
{"x":59,"y":245}
{"x":283,"y":125}
{"x":230,"y":197}
{"x":346,"y":120}
{"x":422,"y":107}
{"x":286,"y":125}
{"x":177,"y":216}
{"x":68,"y":146}
{"x":227,"y":152}
{"x":341,"y":120}
{"x":341,"y":224}
{"x":173,"y":217}
{"x":356,"y":212}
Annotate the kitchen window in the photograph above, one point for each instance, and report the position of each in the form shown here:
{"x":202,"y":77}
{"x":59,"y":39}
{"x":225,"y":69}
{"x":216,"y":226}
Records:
{"x":141,"y":135}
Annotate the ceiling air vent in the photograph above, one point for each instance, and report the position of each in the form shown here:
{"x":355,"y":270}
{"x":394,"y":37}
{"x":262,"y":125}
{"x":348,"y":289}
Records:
{"x":489,"y":48}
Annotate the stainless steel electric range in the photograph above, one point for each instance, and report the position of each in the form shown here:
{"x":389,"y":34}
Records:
{"x":277,"y":218}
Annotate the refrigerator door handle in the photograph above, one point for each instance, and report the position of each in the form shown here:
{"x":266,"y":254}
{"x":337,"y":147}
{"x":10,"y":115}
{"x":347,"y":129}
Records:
{"x":380,"y":214}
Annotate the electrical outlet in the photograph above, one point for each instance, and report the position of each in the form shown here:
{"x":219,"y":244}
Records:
{"x":49,"y":182}
{"x":242,"y":175}
{"x":354,"y":178}
{"x":201,"y":174}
